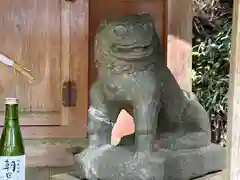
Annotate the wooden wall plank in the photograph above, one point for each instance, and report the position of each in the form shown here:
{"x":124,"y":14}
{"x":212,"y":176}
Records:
{"x":79,"y":65}
{"x":234,"y":100}
{"x":65,"y":55}
{"x":52,"y":153}
{"x":179,"y":41}
{"x":49,"y":156}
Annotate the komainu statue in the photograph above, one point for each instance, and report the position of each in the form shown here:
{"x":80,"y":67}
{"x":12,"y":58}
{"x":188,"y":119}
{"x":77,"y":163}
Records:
{"x":172,"y":130}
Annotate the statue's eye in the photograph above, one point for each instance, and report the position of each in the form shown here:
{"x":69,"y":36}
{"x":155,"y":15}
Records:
{"x":120,"y":29}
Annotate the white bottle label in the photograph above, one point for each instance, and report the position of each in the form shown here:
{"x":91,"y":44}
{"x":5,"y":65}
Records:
{"x":12,"y":167}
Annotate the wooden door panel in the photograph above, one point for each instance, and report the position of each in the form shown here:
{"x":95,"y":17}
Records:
{"x":30,"y":33}
{"x":67,"y":39}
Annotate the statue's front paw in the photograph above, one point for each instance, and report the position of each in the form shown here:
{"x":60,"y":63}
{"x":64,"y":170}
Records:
{"x":85,"y":160}
{"x":90,"y":154}
{"x":85,"y":155}
{"x":89,"y":160}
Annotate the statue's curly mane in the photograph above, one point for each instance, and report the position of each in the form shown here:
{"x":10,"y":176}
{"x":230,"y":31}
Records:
{"x":104,"y":61}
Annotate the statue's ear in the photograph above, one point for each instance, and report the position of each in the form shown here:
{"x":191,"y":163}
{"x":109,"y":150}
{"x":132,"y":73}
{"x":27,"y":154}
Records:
{"x":148,"y":18}
{"x":102,"y":25}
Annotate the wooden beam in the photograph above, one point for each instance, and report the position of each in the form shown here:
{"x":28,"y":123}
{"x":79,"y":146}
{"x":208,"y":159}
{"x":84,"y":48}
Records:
{"x":234,"y":100}
{"x":179,"y":45}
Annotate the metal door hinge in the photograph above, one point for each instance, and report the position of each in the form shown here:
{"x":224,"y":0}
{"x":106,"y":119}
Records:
{"x":69,"y":94}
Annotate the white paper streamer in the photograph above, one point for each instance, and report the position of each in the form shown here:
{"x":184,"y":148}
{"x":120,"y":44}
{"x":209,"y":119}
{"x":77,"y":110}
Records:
{"x":5,"y":60}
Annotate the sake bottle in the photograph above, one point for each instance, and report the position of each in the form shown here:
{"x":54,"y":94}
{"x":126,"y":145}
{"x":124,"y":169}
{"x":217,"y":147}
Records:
{"x":12,"y":152}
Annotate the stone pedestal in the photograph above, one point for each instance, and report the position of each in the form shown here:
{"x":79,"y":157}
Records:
{"x":213,"y":176}
{"x":109,"y":163}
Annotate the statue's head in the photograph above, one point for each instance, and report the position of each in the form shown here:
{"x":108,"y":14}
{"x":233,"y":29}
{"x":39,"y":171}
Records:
{"x":129,"y":37}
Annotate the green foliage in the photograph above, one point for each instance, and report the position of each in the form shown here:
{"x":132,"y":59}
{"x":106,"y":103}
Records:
{"x":210,"y":73}
{"x":211,"y":68}
{"x":209,"y":17}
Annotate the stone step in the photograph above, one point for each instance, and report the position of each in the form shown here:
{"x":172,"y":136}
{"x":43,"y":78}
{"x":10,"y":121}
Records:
{"x":65,"y":176}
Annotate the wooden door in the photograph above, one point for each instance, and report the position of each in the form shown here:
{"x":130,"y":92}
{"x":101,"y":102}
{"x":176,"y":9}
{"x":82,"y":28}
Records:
{"x":37,"y":34}
{"x":30,"y":35}
{"x":105,"y":9}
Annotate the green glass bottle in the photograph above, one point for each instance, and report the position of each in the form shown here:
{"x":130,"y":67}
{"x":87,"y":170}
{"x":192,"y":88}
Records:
{"x":12,"y":152}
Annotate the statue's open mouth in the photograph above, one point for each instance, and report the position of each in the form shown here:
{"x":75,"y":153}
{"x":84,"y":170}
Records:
{"x":131,"y":51}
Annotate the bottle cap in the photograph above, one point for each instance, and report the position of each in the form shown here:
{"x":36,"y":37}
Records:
{"x":11,"y":100}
